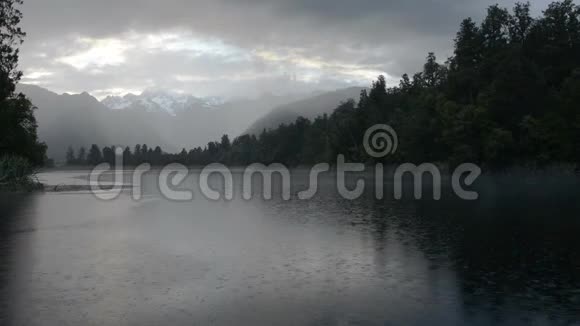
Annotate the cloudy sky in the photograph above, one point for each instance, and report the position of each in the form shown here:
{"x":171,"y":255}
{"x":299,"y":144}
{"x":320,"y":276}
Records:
{"x":234,"y":47}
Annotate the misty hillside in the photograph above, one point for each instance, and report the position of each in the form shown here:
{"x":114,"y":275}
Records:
{"x":308,"y":108}
{"x":81,"y":120}
{"x":65,"y":120}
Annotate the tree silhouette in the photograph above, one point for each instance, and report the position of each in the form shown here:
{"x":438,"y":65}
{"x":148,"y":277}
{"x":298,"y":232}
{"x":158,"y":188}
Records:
{"x":17,"y":123}
{"x":94,"y":156}
{"x":81,"y":158}
{"x":70,"y":156}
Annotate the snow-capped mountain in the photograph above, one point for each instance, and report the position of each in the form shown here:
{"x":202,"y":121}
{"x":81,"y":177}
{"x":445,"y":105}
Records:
{"x":81,"y":120}
{"x":152,"y":100}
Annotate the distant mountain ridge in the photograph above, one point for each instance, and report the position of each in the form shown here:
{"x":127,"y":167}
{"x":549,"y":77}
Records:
{"x":156,"y":100}
{"x":175,"y":123}
{"x":308,"y":108}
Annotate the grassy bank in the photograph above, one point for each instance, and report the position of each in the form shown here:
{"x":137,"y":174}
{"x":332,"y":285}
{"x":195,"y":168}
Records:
{"x":18,"y":174}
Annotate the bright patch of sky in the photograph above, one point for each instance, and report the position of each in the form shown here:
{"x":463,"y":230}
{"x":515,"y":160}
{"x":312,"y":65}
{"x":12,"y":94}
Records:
{"x":130,"y":52}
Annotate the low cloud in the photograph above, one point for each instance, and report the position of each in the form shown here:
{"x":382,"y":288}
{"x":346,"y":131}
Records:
{"x":234,"y":47}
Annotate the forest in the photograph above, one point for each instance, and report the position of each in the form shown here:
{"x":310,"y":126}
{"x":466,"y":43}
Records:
{"x":509,"y":95}
{"x":20,"y":149}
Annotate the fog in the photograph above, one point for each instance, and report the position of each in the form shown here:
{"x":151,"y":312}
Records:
{"x":80,"y":120}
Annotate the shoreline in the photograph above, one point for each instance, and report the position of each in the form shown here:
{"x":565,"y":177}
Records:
{"x":556,"y":169}
{"x":22,"y":187}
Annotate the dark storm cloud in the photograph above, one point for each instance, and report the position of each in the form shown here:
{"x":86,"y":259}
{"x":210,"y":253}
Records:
{"x":279,"y":36}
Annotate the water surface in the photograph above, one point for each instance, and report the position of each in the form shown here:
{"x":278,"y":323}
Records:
{"x":512,"y":257}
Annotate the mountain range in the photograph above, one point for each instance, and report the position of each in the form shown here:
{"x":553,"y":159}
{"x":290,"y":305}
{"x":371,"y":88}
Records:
{"x":170,"y":120}
{"x":156,"y":100}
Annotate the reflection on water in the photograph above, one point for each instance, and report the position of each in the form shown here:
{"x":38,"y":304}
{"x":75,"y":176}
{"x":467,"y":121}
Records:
{"x":512,"y":257}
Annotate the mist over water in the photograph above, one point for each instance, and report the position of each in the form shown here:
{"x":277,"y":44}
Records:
{"x":510,"y":257}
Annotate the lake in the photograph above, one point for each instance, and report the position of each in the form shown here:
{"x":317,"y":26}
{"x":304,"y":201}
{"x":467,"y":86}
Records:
{"x":511,"y":257}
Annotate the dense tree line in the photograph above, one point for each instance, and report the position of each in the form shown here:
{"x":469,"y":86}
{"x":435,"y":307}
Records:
{"x":213,"y":152}
{"x":509,"y":95}
{"x":18,"y":137}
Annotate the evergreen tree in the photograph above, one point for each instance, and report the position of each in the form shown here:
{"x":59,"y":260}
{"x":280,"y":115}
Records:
{"x":137,"y":158}
{"x":109,"y":155}
{"x":157,"y":157}
{"x":127,"y":156}
{"x":81,"y":158}
{"x":17,"y":122}
{"x":520,"y":23}
{"x":70,"y":156}
{"x":94,"y":156}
